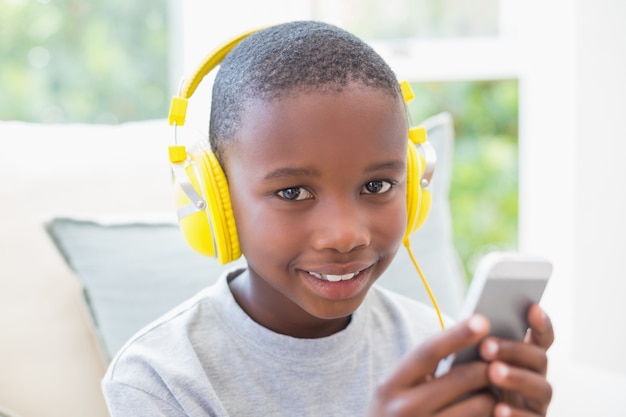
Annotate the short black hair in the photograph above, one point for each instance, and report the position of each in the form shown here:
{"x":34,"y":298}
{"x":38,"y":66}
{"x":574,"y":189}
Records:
{"x":291,"y":58}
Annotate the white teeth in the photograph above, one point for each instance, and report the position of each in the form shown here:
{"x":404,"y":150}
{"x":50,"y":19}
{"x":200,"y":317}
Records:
{"x":334,"y":278}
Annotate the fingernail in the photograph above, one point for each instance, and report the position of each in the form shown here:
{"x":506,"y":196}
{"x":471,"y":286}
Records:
{"x":477,"y":323}
{"x":502,"y":371}
{"x":490,"y":348}
{"x":504,"y":410}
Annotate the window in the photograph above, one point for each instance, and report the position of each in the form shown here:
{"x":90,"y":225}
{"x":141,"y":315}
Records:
{"x":405,"y":19}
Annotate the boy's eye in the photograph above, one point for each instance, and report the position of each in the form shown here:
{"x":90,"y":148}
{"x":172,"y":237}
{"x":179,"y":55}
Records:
{"x":376,"y":187}
{"x":294,"y":194}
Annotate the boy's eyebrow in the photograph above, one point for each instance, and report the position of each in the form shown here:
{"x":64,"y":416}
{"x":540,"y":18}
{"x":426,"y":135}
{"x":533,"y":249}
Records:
{"x":389,"y":165}
{"x":311,"y":172}
{"x":291,"y":172}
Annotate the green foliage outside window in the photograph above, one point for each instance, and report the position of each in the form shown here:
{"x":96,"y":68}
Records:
{"x":83,"y":61}
{"x":484,"y":190}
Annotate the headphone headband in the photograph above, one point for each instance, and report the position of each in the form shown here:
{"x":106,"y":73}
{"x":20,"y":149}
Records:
{"x":178,"y":105}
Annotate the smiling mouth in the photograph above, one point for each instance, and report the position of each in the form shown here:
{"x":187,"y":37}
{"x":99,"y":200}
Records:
{"x":334,"y":278}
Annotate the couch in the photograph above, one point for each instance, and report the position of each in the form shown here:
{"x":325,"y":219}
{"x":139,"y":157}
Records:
{"x":90,"y":252}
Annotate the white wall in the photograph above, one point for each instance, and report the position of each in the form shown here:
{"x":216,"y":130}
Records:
{"x":572,"y":89}
{"x":600,"y":183}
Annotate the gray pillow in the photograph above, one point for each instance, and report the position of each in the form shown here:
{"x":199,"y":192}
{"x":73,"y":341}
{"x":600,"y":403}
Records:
{"x":134,"y":271}
{"x":131,"y":272}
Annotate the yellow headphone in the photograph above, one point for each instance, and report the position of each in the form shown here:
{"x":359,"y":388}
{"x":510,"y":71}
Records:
{"x":201,"y":192}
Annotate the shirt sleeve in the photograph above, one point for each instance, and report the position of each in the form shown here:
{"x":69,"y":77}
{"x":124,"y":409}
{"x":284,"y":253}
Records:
{"x":128,"y":401}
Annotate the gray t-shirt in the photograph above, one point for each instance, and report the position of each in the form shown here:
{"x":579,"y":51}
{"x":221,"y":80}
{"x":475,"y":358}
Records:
{"x":208,"y":358}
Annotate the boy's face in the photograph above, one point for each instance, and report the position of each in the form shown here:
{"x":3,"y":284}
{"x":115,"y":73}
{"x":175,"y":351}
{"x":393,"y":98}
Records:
{"x":318,"y":183}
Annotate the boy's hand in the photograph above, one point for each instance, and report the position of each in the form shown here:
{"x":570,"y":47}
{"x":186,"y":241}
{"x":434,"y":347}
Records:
{"x":413,"y":391}
{"x":519,"y":368}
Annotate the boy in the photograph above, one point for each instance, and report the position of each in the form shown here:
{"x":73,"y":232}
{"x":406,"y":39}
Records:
{"x":309,"y":126}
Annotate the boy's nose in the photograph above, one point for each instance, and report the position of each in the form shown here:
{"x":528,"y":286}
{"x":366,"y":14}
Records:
{"x":340,"y":227}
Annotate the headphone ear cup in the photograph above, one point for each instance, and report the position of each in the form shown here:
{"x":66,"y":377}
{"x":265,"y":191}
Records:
{"x":425,"y":204}
{"x":221,"y":211}
{"x":195,"y":226}
{"x":413,"y":190}
{"x":418,"y":201}
{"x":212,"y":231}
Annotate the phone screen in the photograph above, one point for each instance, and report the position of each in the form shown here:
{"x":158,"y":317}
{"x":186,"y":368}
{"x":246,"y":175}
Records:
{"x":505,"y":302}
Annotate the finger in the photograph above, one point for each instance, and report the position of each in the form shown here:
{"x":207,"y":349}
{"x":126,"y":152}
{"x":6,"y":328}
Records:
{"x":478,"y":405}
{"x":541,"y":330}
{"x":462,"y":381}
{"x":421,"y":362}
{"x":532,"y":386}
{"x":520,"y":354}
{"x":436,"y":395}
{"x":505,"y":410}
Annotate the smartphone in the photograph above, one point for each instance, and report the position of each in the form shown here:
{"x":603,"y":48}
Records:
{"x":504,"y":286}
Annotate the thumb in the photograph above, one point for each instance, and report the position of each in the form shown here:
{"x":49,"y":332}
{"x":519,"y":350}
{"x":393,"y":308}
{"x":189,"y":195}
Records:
{"x":420,"y":363}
